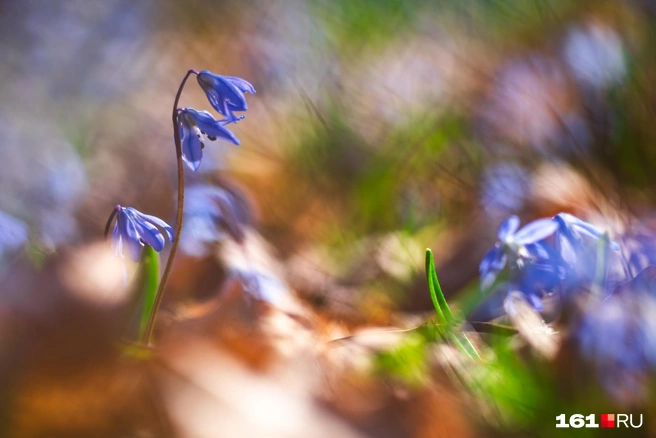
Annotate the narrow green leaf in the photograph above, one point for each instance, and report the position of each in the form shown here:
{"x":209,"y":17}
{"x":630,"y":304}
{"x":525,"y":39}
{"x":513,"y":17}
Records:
{"x":444,"y":314}
{"x":147,"y":284}
{"x":439,"y":302}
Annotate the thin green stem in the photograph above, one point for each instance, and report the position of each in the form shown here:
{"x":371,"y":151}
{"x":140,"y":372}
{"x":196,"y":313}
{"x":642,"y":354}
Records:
{"x":599,"y":284}
{"x":180,"y":212}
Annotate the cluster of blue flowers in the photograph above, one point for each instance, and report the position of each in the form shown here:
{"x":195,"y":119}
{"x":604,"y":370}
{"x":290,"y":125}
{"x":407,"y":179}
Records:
{"x":546,"y":256}
{"x":610,"y":302}
{"x":134,"y":229}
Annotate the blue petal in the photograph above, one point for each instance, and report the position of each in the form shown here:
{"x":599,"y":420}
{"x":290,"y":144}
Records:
{"x":508,"y":227}
{"x":539,"y":251}
{"x":536,"y":231}
{"x":493,"y":262}
{"x":592,"y":232}
{"x":147,"y":231}
{"x":192,"y":151}
{"x":219,"y":89}
{"x":117,"y":241}
{"x":494,"y":259}
{"x":216,"y":101}
{"x":210,"y":126}
{"x":243,"y":85}
{"x":543,"y":275}
{"x":159,"y":223}
{"x":575,"y":228}
{"x":567,"y":251}
{"x":564,"y":228}
{"x":129,"y":235}
{"x":587,"y":230}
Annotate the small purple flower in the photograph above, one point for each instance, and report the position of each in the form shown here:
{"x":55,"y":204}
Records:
{"x":225,"y":93}
{"x":13,"y":233}
{"x":520,"y":245}
{"x":196,"y":126}
{"x":134,"y":229}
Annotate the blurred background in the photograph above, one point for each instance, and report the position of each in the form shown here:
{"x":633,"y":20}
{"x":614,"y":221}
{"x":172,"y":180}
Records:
{"x":379,"y":128}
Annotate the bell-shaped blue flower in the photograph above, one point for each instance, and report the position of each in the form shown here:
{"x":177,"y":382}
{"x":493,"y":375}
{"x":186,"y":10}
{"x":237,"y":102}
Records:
{"x":195,"y":128}
{"x":134,"y":229}
{"x":519,"y":244}
{"x":225,"y":93}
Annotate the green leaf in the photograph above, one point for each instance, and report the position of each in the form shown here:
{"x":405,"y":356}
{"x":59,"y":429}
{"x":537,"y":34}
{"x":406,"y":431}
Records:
{"x":147,"y":284}
{"x":439,"y":302}
{"x":443,"y":311}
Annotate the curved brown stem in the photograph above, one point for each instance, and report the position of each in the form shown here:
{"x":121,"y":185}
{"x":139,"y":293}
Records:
{"x":109,"y":221}
{"x":178,"y":225}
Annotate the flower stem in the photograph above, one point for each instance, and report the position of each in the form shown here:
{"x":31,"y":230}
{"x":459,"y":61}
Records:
{"x":180,"y":212}
{"x":109,"y":221}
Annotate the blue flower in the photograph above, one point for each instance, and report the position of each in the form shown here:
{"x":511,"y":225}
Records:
{"x":13,"y":233}
{"x":225,"y":93}
{"x":134,"y":229}
{"x":576,"y":242}
{"x":520,"y":245}
{"x":210,"y":212}
{"x":195,"y":126}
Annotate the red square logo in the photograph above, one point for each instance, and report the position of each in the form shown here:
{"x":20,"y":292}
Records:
{"x":607,"y":420}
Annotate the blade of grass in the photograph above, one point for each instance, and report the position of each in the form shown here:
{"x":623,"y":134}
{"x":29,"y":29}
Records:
{"x":442,"y":308}
{"x":439,"y":302}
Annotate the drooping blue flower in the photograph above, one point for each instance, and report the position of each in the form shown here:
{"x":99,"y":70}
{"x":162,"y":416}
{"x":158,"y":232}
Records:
{"x":211,"y":212}
{"x":225,"y":93}
{"x":520,"y":245}
{"x":13,"y":233}
{"x":134,"y":229}
{"x":196,"y":126}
